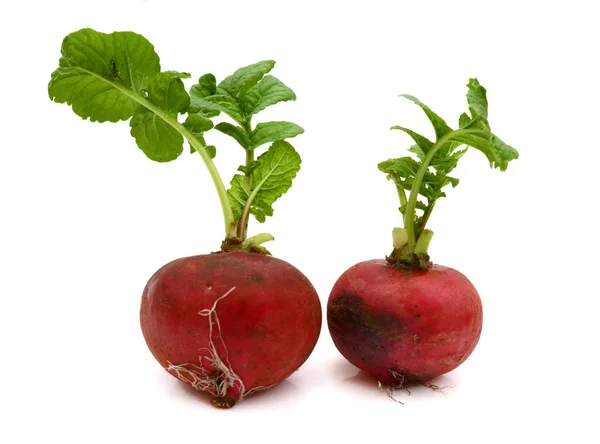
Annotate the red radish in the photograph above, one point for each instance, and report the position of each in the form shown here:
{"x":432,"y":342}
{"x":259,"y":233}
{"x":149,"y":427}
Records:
{"x":404,"y":325}
{"x":230,"y":323}
{"x":403,"y":319}
{"x":238,"y":320}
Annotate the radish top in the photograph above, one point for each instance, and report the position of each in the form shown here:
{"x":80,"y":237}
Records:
{"x":425,"y":176}
{"x":114,"y":77}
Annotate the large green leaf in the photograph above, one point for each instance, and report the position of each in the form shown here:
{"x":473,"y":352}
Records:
{"x":271,"y":178}
{"x":112,"y":77}
{"x":100,"y":75}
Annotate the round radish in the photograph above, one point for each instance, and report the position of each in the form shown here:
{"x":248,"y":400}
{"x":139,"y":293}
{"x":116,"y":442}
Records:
{"x":232,"y":322}
{"x":403,"y":319}
{"x":404,"y":325}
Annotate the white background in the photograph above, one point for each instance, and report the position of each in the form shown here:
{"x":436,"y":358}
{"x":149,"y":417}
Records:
{"x":86,"y":218}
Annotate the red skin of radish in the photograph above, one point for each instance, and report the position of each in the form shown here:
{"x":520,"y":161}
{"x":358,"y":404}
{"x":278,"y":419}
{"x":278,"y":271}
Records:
{"x":404,"y":326}
{"x":269,"y":324}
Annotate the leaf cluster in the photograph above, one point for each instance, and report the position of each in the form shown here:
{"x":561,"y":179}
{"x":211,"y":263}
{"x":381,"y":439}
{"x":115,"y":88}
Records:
{"x":117,"y":77}
{"x":436,"y":160}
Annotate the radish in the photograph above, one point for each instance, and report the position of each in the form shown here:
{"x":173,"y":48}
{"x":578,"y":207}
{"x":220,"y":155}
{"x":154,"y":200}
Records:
{"x":403,"y":319}
{"x":238,"y":320}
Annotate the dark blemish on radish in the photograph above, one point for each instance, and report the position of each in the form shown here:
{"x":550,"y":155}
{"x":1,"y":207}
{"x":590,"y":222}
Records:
{"x":256,"y":278}
{"x":372,"y":330}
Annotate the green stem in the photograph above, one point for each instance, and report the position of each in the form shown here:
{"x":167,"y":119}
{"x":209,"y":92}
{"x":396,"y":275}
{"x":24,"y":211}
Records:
{"x":245,"y":216}
{"x":423,"y":243}
{"x":409,"y":214}
{"x":426,"y":215}
{"x":258,"y":239}
{"x":196,"y":144}
{"x":401,"y":195}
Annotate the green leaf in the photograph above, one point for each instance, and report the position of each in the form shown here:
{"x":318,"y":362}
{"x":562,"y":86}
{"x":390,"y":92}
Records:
{"x":498,"y":153}
{"x":112,"y":77}
{"x":422,"y":142}
{"x":403,"y":171}
{"x":236,"y":132}
{"x":464,"y":120}
{"x":98,"y":72}
{"x":167,"y":91}
{"x":245,"y":78}
{"x":211,"y":150}
{"x":273,"y":131}
{"x":416,"y":149}
{"x":271,"y":178}
{"x":267,"y":92}
{"x":213,"y":105}
{"x":206,"y":86}
{"x":197,"y":125}
{"x":155,"y":137}
{"x":477,"y":99}
{"x":439,"y":125}
{"x":247,"y":169}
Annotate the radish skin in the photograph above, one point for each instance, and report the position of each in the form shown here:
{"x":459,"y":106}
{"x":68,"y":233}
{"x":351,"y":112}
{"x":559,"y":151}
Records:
{"x":230,"y":323}
{"x":404,"y":326}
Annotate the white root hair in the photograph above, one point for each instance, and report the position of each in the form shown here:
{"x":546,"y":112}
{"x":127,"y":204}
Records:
{"x":400,"y":384}
{"x":218,"y":380}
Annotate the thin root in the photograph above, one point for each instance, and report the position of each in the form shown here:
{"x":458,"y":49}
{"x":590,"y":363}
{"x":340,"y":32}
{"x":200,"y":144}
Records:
{"x":401,"y":384}
{"x":221,"y":378}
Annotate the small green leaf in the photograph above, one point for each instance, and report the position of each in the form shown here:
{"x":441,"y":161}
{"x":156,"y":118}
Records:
{"x":245,"y":78}
{"x":167,"y":91}
{"x":271,"y":178}
{"x":236,"y":132}
{"x":416,"y":149}
{"x":477,"y":99}
{"x":464,"y":120}
{"x":206,"y":86}
{"x":212,"y":105}
{"x":440,"y":126}
{"x":273,"y":131}
{"x":267,"y":92}
{"x":197,"y":124}
{"x":247,"y":169}
{"x":212,"y":151}
{"x":423,"y":142}
{"x":155,"y":137}
{"x":504,"y":153}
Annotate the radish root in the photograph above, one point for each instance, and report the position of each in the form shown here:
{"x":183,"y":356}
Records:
{"x":401,"y":384}
{"x":219,"y":379}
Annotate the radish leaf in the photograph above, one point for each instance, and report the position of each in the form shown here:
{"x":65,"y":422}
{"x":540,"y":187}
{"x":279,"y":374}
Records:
{"x":429,"y":173}
{"x":273,"y":131}
{"x":272,"y":176}
{"x":158,"y":139}
{"x":236,"y":132}
{"x":100,"y":74}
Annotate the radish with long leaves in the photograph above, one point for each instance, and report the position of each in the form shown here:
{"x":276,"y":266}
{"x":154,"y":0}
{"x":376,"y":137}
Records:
{"x":237,"y":320}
